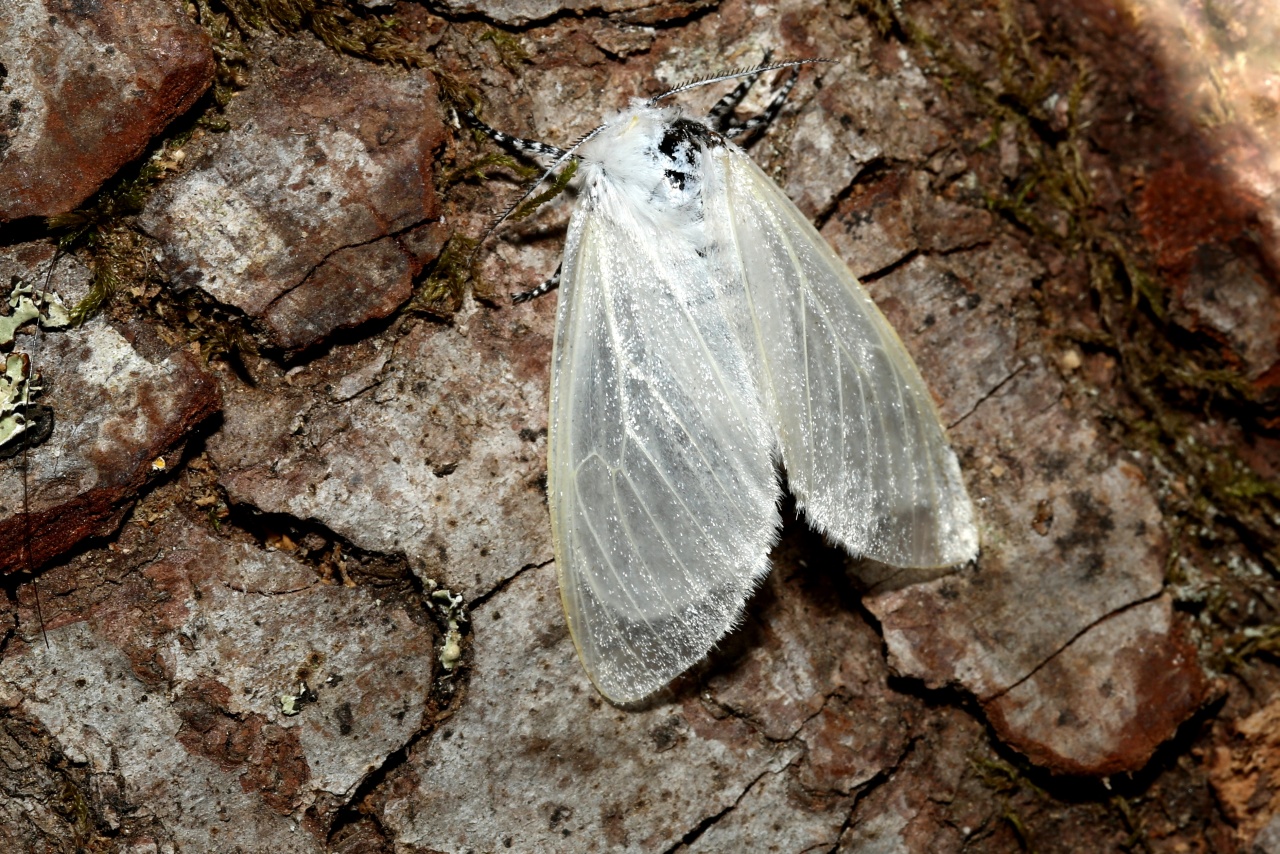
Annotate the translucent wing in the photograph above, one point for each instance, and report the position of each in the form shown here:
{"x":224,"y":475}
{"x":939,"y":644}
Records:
{"x":660,"y":472}
{"x":864,"y":450}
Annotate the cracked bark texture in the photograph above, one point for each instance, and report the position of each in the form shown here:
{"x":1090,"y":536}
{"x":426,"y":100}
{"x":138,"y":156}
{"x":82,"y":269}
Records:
{"x":235,"y":585}
{"x":86,"y":89}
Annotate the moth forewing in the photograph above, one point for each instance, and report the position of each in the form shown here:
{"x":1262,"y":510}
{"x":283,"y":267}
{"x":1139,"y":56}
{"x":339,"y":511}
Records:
{"x":864,"y":449}
{"x":660,"y":475}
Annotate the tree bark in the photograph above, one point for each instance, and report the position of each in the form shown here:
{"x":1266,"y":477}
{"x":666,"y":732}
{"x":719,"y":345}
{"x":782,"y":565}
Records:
{"x":281,"y":575}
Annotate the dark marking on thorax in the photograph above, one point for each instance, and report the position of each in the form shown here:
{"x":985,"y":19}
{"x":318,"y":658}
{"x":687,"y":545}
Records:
{"x":681,"y":144}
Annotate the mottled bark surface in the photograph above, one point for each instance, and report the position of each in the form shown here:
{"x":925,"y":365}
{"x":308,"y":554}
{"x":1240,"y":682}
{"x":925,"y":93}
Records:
{"x":280,"y":576}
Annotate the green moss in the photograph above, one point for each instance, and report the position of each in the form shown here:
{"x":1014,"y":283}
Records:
{"x":73,"y":807}
{"x":511,"y":52}
{"x":1008,"y":784}
{"x":482,"y":168}
{"x":1122,"y":807}
{"x":1002,"y":777}
{"x":231,"y":59}
{"x":1011,"y":817}
{"x":1260,"y":641}
{"x":99,"y":231}
{"x":442,"y":290}
{"x":218,"y":332}
{"x":557,"y":187}
{"x":101,"y":234}
{"x":343,"y":27}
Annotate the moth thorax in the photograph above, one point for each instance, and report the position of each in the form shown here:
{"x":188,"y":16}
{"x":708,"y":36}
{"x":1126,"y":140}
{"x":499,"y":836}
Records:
{"x":652,"y":157}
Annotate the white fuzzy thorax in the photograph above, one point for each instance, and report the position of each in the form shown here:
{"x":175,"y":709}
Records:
{"x":625,"y":152}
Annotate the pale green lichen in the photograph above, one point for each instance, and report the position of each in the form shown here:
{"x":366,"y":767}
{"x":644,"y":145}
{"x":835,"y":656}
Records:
{"x":17,"y":388}
{"x":291,"y":704}
{"x":27,"y":304}
{"x":451,"y":608}
{"x":23,"y":313}
{"x":15,"y":397}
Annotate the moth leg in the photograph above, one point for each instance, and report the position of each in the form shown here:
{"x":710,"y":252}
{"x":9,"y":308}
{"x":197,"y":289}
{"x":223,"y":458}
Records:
{"x":770,"y":113}
{"x":721,"y":116}
{"x":541,"y":290}
{"x":506,"y":140}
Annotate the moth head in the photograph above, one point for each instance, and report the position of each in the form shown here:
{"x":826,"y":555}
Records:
{"x":626,"y":152}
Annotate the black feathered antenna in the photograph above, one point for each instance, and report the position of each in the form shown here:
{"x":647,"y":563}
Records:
{"x":567,"y":155}
{"x":733,"y":75}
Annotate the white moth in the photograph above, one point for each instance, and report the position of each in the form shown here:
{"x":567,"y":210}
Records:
{"x":705,"y":332}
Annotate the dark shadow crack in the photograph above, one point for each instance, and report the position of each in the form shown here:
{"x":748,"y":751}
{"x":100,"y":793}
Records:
{"x":236,"y":588}
{"x":448,"y":691}
{"x":356,"y":809}
{"x":483,"y":599}
{"x":1070,"y":641}
{"x":692,"y":835}
{"x":891,"y":268}
{"x":190,"y":445}
{"x":871,"y":170}
{"x":795,"y":734}
{"x":11,"y":631}
{"x":694,"y":10}
{"x":395,"y":235}
{"x":861,"y":792}
{"x":316,"y":543}
{"x":959,"y":248}
{"x":992,"y":392}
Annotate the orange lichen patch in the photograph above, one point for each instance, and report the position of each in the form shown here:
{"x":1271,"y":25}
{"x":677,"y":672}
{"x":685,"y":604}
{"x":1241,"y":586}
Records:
{"x":269,"y":758}
{"x":1105,"y":703}
{"x":1183,"y":206}
{"x":1245,"y":771}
